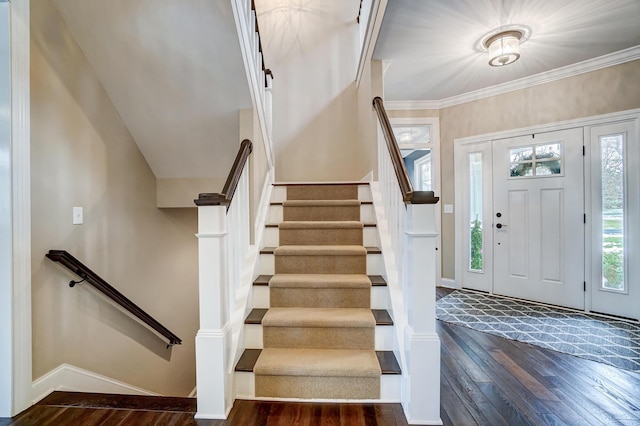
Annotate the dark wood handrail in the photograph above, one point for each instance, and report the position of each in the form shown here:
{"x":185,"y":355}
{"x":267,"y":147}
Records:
{"x":229,"y":189}
{"x":359,"y":12}
{"x":80,"y":269}
{"x":266,"y":70}
{"x":408,"y":194}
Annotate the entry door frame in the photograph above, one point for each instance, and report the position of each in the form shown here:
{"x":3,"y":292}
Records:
{"x":459,"y":150}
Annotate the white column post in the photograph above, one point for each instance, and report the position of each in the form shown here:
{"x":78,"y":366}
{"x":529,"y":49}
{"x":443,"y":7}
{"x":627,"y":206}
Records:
{"x":15,"y":210}
{"x":213,"y":341}
{"x":422,"y":392}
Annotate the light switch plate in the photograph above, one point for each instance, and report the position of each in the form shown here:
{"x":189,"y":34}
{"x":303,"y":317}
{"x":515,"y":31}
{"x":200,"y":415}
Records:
{"x":448,"y":208}
{"x":77,"y":216}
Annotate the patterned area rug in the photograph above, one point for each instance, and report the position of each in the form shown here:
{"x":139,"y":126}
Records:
{"x":596,"y":338}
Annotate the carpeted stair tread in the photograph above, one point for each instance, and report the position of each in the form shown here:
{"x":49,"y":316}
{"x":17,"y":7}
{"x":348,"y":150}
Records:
{"x":318,"y":362}
{"x":319,"y":317}
{"x":386,"y":359}
{"x":272,"y":250}
{"x":381,"y":316}
{"x":320,"y":281}
{"x":313,"y":250}
{"x":263,"y":280}
{"x":318,"y":224}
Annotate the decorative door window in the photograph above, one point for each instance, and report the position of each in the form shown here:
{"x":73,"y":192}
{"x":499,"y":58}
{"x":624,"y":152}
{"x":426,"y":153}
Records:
{"x":536,"y":160}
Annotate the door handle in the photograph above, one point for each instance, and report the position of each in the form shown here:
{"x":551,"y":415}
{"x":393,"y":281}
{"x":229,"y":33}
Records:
{"x":499,"y":225}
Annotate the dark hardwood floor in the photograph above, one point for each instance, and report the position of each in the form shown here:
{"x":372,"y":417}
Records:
{"x":485,"y":380}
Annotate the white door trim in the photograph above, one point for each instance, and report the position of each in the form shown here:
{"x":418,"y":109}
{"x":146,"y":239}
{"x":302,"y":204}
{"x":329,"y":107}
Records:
{"x":542,"y":128}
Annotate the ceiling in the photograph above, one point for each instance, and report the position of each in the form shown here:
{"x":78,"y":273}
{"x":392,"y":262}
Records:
{"x":434,"y":50}
{"x":175,"y":74}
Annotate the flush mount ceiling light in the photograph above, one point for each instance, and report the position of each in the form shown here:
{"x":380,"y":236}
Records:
{"x":503,"y":47}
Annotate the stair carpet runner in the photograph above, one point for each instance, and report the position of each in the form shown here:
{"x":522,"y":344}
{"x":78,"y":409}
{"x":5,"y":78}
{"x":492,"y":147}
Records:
{"x":319,"y":332}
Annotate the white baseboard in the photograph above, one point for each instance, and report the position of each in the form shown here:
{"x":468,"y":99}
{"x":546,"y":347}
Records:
{"x":447,"y":282}
{"x":69,"y":378}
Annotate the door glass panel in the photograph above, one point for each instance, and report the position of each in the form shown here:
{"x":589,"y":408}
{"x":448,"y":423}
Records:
{"x":521,"y":154}
{"x":538,"y":160}
{"x":476,"y":258}
{"x":548,"y":168}
{"x":612,"y":175}
{"x":522,"y":169}
{"x":551,"y":150}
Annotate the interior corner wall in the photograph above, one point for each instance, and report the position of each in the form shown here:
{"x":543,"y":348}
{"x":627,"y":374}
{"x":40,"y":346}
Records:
{"x":83,"y":155}
{"x":313,"y":50}
{"x":367,"y":135}
{"x":598,"y":92}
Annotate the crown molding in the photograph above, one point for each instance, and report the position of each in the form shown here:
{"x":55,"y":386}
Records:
{"x":404,"y":105}
{"x":605,"y":61}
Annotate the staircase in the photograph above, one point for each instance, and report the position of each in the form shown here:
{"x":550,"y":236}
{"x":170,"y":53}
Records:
{"x":320,"y":326}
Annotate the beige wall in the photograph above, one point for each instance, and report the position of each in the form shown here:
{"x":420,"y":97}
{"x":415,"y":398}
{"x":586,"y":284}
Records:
{"x":312,"y":50}
{"x":608,"y":90}
{"x":180,"y":192}
{"x":82,"y":155}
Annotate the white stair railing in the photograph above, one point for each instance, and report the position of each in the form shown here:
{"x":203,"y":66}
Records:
{"x":223,"y":246}
{"x":259,"y":76}
{"x":411,"y":275}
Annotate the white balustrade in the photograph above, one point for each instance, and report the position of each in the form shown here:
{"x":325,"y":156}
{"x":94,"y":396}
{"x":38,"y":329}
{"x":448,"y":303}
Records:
{"x":224,"y":244}
{"x":411,"y":276}
{"x":246,"y":21}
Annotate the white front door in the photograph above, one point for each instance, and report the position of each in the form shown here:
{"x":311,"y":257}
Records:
{"x":615,"y":222}
{"x":538,"y":218}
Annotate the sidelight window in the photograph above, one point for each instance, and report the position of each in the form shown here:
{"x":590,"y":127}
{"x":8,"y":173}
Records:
{"x":476,"y":258}
{"x":613,"y":215}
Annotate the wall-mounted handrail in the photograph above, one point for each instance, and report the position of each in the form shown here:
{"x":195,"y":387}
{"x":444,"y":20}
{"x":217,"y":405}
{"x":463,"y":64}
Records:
{"x":359,"y":12}
{"x":408,"y":194}
{"x":229,"y":189}
{"x":80,"y":269}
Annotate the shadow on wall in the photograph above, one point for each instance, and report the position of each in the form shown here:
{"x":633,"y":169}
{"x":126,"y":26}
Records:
{"x":290,"y":28}
{"x":327,"y":148}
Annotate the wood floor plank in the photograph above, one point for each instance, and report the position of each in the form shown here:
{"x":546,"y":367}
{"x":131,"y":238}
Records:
{"x":527,"y":380}
{"x":476,"y":373}
{"x":478,"y":349}
{"x":453,"y":405}
{"x":465,"y":386}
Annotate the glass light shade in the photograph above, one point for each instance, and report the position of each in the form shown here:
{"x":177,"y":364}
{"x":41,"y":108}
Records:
{"x":504,"y":48}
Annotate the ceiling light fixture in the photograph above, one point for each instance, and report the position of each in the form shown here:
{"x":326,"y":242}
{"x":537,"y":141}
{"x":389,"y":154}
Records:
{"x":504,"y":48}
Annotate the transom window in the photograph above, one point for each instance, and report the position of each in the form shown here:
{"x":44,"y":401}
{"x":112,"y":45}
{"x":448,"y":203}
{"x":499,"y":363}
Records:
{"x":536,"y":160}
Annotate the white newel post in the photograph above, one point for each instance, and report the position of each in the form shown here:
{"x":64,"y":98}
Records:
{"x":213,"y":341}
{"x":422,"y":398}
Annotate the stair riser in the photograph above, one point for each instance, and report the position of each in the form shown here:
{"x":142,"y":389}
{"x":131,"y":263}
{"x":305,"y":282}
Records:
{"x":253,"y":337}
{"x":367,"y":214}
{"x":320,"y":297}
{"x":321,"y":237}
{"x":319,"y":337}
{"x":374,"y":265}
{"x":279,"y":193}
{"x":261,"y":297}
{"x":369,"y":237}
{"x":320,"y":264}
{"x":390,"y":386}
{"x":317,"y":387}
